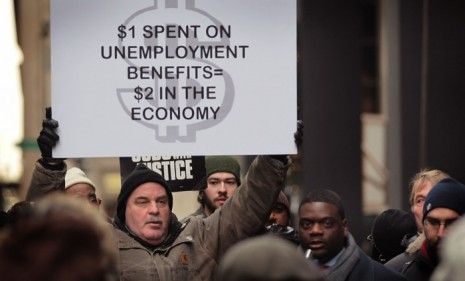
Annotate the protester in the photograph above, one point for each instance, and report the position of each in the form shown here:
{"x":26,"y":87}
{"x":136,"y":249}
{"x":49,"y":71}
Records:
{"x":62,"y":240}
{"x":280,"y":213}
{"x":50,"y":174}
{"x":223,"y":176}
{"x":444,"y":204}
{"x":279,"y":220}
{"x":154,"y":245}
{"x":388,"y":231}
{"x":325,"y":238}
{"x":452,"y":254}
{"x":420,"y":186}
{"x":79,"y":185}
{"x":266,"y":258}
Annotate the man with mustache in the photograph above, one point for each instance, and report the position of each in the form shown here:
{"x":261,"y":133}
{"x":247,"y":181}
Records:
{"x":325,"y":238}
{"x":223,"y":176}
{"x":154,"y":245}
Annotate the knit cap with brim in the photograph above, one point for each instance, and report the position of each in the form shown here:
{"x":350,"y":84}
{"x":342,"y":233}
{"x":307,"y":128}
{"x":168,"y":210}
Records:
{"x":75,"y":175}
{"x":447,"y":193}
{"x":140,"y":175}
{"x":218,"y":164}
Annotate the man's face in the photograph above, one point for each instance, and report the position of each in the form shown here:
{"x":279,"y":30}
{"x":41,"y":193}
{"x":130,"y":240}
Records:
{"x":147,"y":213}
{"x":279,"y":215}
{"x":421,"y":192}
{"x":84,"y":191}
{"x":322,"y":230}
{"x":220,"y":186}
{"x":436,"y":223}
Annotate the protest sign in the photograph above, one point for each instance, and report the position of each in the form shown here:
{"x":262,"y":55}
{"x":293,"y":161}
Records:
{"x":181,"y":172}
{"x":174,"y":77}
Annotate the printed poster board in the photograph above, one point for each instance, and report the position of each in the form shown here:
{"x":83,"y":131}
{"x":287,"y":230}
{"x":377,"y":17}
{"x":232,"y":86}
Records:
{"x":181,"y":172}
{"x":174,"y":77}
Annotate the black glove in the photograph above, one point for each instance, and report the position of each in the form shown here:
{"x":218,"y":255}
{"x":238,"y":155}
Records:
{"x":299,"y":134}
{"x":47,"y":139}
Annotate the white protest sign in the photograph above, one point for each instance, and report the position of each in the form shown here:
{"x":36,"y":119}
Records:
{"x":174,"y":77}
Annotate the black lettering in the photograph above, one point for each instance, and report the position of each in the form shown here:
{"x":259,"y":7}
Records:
{"x":135,"y":111}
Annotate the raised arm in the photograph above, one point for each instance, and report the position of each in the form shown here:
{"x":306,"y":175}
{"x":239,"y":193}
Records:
{"x":49,"y":173}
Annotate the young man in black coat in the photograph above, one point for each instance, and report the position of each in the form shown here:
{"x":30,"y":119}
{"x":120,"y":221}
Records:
{"x":325,"y":238}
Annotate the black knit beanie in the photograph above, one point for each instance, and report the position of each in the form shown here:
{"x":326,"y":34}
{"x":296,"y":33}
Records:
{"x":447,"y":193}
{"x":140,"y":175}
{"x":388,"y":230}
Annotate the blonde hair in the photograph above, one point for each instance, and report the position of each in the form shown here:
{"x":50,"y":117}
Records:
{"x":431,"y":175}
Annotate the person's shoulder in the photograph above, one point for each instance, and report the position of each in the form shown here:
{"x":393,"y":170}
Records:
{"x":384,"y":273}
{"x":399,"y":261}
{"x":380,"y":272}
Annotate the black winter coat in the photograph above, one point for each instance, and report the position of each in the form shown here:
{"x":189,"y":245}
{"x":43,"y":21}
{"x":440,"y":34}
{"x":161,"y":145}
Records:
{"x":355,"y":265}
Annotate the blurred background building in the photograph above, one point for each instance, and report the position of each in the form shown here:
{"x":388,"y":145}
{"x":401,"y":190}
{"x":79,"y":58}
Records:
{"x":381,"y":92}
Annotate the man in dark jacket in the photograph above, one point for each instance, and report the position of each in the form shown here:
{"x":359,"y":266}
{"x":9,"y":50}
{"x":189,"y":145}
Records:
{"x":154,"y":245}
{"x":279,"y":222}
{"x":325,"y":238}
{"x":444,"y":204}
{"x":420,"y":185}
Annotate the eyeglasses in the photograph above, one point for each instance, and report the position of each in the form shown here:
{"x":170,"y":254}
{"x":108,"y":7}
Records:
{"x":436,"y":223}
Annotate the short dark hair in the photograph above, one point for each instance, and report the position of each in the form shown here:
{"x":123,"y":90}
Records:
{"x":326,"y":196}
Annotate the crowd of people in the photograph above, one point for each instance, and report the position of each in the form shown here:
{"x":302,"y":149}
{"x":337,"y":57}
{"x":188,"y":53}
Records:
{"x":241,"y":231}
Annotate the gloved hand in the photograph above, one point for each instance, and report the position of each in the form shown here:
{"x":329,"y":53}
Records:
{"x":47,"y":139}
{"x":299,"y":134}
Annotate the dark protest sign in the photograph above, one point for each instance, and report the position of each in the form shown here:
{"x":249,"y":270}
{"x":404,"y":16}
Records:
{"x":182,"y":172}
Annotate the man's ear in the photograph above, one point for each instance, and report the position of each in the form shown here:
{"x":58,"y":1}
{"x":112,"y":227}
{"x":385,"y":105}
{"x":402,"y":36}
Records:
{"x":200,"y":196}
{"x":345,"y":225}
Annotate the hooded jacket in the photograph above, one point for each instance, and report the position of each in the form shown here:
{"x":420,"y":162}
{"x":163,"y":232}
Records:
{"x":193,"y":249}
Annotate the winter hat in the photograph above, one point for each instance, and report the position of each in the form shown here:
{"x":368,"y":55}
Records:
{"x":76,"y":175}
{"x":447,"y":193}
{"x":217,"y":164}
{"x":140,"y":175}
{"x":282,"y":199}
{"x":388,"y":230}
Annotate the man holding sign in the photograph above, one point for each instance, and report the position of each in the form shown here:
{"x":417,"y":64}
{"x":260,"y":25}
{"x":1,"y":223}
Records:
{"x":154,"y":245}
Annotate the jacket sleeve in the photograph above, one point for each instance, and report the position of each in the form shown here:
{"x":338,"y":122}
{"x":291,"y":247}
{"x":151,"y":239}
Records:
{"x":44,"y":181}
{"x":246,"y":212}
